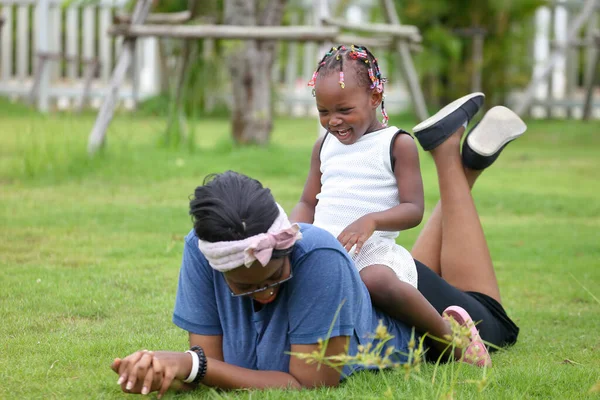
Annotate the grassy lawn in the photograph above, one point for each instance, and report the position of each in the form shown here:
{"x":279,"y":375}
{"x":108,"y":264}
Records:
{"x":90,"y":252}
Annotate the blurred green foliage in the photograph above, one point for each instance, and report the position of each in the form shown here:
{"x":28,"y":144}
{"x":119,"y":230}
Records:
{"x":446,"y":64}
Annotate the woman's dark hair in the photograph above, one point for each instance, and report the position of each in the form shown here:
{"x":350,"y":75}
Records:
{"x":231,"y":206}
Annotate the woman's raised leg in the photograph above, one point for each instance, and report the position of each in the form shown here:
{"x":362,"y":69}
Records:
{"x":428,"y":246}
{"x":464,"y":257}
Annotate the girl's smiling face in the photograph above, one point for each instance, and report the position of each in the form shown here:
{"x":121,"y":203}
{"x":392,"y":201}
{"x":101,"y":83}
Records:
{"x":349,"y":112}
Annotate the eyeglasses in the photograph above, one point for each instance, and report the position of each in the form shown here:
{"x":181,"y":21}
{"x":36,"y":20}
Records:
{"x":262,"y":289}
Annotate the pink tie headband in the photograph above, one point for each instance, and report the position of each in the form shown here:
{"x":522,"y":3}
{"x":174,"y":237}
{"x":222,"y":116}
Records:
{"x":228,"y":255}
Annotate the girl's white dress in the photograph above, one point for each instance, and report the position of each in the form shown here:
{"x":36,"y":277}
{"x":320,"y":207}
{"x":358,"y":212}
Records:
{"x":356,"y":180}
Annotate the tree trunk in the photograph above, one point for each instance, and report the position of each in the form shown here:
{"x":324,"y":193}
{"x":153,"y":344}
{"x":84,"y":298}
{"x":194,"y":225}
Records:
{"x":250,"y":67}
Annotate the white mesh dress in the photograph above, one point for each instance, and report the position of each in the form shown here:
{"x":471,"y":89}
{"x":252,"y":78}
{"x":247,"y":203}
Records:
{"x":356,"y":180}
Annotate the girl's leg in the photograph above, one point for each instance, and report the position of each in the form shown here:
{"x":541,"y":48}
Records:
{"x":465,"y":259}
{"x":405,"y":303}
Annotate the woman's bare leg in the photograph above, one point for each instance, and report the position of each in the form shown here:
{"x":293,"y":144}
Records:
{"x":464,"y":258}
{"x":428,"y":246}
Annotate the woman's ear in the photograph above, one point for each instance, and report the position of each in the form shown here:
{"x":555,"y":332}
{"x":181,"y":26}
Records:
{"x":376,"y":98}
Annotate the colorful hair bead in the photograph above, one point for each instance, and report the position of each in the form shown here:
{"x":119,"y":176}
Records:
{"x":371,"y":75}
{"x":313,"y":80}
{"x":385,"y":116}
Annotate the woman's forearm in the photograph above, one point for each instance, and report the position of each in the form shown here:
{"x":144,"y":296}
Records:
{"x":222,"y":375}
{"x":227,"y":376}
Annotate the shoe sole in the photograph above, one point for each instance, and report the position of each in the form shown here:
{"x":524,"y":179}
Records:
{"x":444,"y":112}
{"x":498,"y":127}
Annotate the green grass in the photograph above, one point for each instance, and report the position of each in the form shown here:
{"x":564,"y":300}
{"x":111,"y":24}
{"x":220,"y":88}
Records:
{"x":90,"y":252}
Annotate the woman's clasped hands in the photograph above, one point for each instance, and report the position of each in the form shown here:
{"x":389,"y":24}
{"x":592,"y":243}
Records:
{"x":148,"y":371}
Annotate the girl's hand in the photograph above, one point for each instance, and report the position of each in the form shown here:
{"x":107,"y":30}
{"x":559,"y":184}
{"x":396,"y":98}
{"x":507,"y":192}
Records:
{"x":357,"y":233}
{"x":146,"y":371}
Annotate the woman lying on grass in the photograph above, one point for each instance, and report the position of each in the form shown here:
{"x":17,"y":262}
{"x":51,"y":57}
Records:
{"x":254,"y":288}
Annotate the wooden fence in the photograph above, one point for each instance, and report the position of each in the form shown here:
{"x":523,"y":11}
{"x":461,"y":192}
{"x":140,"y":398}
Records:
{"x":562,"y":93}
{"x":71,"y":38}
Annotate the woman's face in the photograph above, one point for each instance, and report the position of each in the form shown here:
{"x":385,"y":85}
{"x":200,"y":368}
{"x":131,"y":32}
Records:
{"x":260,"y":283}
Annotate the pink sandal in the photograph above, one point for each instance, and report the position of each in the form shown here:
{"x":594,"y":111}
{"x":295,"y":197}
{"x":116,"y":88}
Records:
{"x":476,"y":353}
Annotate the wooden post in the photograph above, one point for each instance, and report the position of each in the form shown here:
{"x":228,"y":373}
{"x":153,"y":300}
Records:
{"x":177,"y":112}
{"x":7,"y":43}
{"x":96,"y":139}
{"x":72,"y":46}
{"x":586,"y":12}
{"x":40,"y":71}
{"x":91,"y":69}
{"x":320,"y":13}
{"x":477,"y":36}
{"x":43,"y":12}
{"x":23,"y":41}
{"x":477,"y":62}
{"x":54,"y":40}
{"x":408,"y":67}
{"x":572,"y":68}
{"x":291,"y":67}
{"x":208,"y":54}
{"x":134,"y":73}
{"x":105,"y":41}
{"x":590,"y":75}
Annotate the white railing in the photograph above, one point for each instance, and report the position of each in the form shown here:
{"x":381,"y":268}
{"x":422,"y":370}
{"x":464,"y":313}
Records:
{"x":562,"y":93}
{"x":71,"y":38}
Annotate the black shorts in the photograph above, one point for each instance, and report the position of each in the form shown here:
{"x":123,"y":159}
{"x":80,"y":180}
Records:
{"x":492,"y":321}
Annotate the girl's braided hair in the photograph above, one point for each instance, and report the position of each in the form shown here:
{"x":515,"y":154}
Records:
{"x":367,"y":69}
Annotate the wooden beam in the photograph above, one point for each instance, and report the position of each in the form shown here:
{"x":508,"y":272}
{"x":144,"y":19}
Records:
{"x":407,"y":32}
{"x":406,"y":62}
{"x":288,"y":33}
{"x":157,"y":18}
{"x":96,"y":139}
{"x":379,"y":42}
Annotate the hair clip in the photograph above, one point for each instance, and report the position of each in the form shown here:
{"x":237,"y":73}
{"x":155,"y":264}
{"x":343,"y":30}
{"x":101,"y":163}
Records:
{"x":341,"y":82}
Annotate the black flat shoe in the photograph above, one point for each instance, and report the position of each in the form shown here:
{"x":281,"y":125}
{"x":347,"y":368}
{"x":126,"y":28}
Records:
{"x":434,"y":130}
{"x":484,"y":143}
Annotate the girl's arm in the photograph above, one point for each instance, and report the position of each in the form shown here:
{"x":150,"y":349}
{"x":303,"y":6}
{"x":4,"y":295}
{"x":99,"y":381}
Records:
{"x":144,"y":371}
{"x":304,"y":211}
{"x":407,"y":214}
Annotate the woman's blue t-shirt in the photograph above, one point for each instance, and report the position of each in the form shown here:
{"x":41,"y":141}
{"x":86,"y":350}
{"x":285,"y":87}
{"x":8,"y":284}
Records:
{"x":303,"y":312}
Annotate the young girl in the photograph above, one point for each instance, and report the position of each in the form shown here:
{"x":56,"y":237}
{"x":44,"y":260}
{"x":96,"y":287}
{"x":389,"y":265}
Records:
{"x":364,"y":185}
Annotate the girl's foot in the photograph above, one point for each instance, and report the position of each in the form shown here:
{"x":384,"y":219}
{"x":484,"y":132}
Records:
{"x":439,"y":127}
{"x":484,"y":143}
{"x":475,"y":352}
